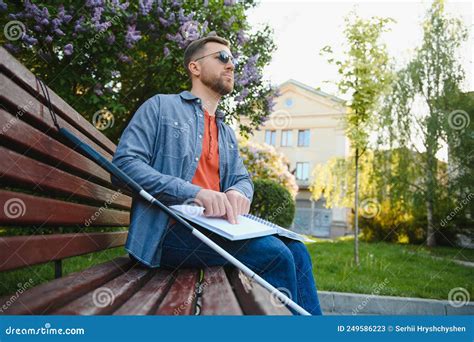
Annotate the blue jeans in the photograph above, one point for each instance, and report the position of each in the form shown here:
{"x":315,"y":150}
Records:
{"x":284,"y":263}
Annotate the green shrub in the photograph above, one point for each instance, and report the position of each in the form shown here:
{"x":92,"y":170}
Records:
{"x":273,"y":202}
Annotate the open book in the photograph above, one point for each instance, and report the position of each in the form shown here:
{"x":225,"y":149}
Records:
{"x":248,"y":226}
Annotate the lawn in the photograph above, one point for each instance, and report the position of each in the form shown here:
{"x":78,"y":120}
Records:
{"x":389,"y":269}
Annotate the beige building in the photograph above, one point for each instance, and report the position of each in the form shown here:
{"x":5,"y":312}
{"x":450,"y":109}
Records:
{"x":306,"y":127}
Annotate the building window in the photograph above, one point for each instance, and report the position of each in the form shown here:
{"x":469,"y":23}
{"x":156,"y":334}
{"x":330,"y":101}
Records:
{"x":302,"y":171}
{"x":286,"y":137}
{"x":270,"y":137}
{"x":303,"y":137}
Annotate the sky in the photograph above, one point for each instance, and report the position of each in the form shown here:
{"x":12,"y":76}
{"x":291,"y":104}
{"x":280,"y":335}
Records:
{"x":303,"y":28}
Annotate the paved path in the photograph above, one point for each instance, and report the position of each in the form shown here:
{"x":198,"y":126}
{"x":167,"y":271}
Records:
{"x":341,"y":303}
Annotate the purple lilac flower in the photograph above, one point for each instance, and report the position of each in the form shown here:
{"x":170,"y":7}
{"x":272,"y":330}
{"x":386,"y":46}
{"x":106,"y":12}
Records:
{"x":31,"y":10}
{"x":270,"y":103}
{"x":204,"y":27}
{"x":124,"y":58}
{"x":59,"y":32}
{"x":241,"y":37}
{"x":187,"y":33}
{"x":68,"y":49}
{"x":132,"y":36}
{"x":78,"y":25}
{"x":250,"y":72}
{"x":145,"y":6}
{"x":48,"y":39}
{"x":229,"y":2}
{"x":12,"y":48}
{"x":95,"y":3}
{"x":110,"y":39}
{"x":168,"y":22}
{"x":56,"y":22}
{"x":184,"y":18}
{"x":38,"y":28}
{"x":3,"y":6}
{"x":166,"y":51}
{"x":63,"y":16}
{"x":229,"y":23}
{"x":98,"y":89}
{"x":243,"y":94}
{"x":29,"y":39}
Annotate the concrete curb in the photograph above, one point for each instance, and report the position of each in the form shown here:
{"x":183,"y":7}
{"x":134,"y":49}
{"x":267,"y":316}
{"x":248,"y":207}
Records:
{"x":341,"y":303}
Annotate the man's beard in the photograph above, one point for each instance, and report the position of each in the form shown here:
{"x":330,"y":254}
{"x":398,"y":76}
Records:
{"x":218,"y":84}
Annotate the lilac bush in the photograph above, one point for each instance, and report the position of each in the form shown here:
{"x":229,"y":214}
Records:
{"x":115,"y":54}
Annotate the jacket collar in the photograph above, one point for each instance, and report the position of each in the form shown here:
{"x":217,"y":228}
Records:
{"x":188,"y":96}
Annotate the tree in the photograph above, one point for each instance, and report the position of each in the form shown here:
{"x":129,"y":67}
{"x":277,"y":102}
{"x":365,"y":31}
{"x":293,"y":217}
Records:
{"x":105,"y":58}
{"x":422,"y":105}
{"x":365,"y":76}
{"x":389,"y":210}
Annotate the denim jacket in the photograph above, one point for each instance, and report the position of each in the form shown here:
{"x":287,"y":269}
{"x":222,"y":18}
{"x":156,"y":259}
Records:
{"x":160,"y":150}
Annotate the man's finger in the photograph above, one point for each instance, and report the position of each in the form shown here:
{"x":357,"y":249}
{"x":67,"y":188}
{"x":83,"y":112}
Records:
{"x":230,"y":212}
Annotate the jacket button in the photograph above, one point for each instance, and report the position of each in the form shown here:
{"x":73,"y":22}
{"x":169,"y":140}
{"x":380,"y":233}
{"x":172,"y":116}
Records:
{"x":200,"y":136}
{"x":231,"y":145}
{"x":176,"y":123}
{"x":196,"y":159}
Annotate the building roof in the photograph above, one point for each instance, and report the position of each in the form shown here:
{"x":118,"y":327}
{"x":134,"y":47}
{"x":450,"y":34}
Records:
{"x":313,"y":90}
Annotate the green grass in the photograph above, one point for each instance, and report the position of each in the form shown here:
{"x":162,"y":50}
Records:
{"x":11,"y":281}
{"x":390,"y":269}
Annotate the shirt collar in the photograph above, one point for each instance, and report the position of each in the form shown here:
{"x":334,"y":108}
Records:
{"x":188,"y":96}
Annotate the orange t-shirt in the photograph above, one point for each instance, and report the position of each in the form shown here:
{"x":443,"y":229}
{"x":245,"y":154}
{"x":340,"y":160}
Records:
{"x":207,"y":173}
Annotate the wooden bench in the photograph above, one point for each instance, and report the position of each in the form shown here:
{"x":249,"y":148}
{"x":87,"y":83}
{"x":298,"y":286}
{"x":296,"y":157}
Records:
{"x":45,"y":183}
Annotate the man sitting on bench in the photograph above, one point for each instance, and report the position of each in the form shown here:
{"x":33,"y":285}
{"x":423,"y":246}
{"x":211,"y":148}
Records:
{"x":178,"y":148}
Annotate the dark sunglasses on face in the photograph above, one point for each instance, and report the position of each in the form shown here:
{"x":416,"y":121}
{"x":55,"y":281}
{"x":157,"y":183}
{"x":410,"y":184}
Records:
{"x":223,"y":56}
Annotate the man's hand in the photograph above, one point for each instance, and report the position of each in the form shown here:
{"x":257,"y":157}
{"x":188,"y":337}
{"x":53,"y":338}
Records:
{"x":240,"y":203}
{"x":216,"y":204}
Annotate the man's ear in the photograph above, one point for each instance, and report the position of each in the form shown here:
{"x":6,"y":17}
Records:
{"x":194,"y":68}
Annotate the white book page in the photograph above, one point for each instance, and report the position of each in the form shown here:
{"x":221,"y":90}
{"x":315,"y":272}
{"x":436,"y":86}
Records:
{"x":245,"y":229}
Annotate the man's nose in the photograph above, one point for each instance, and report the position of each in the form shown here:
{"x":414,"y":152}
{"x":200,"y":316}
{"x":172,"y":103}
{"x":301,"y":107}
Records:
{"x":230,"y":65}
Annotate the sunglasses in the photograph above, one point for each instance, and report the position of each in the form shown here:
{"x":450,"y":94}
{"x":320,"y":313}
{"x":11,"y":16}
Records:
{"x":223,"y":56}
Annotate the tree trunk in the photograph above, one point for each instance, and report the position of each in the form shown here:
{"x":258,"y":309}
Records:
{"x":356,"y":209}
{"x":430,"y":196}
{"x":430,"y":240}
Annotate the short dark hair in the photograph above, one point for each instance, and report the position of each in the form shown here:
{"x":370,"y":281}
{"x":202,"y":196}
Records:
{"x":198,"y":45}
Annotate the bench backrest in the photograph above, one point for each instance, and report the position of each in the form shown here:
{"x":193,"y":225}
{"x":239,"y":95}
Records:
{"x":44,"y":182}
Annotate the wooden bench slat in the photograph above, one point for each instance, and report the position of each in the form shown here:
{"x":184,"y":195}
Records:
{"x":217,"y":295}
{"x":181,"y":297}
{"x":23,"y":209}
{"x":253,"y":298}
{"x":44,"y":298}
{"x":105,"y":299}
{"x":42,"y":178}
{"x":21,"y":251}
{"x":30,"y":108}
{"x":27,"y":138}
{"x":27,"y":79}
{"x":146,"y":300}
